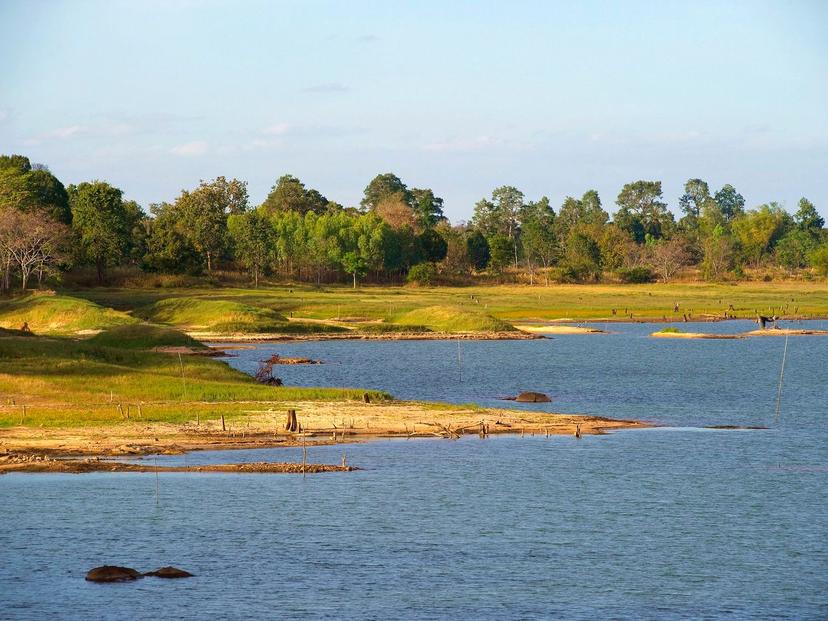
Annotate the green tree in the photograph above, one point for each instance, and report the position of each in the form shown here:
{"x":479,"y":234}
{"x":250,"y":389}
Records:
{"x":500,"y":253}
{"x":252,"y":239}
{"x":29,"y":188}
{"x":730,"y":202}
{"x":819,"y":259}
{"x":758,"y":230}
{"x":540,"y":244}
{"x":477,"y":248}
{"x":168,"y":245}
{"x":353,"y":263}
{"x":290,"y":194}
{"x":582,"y":260}
{"x":642,"y":212}
{"x":385,"y":186}
{"x":793,"y":250}
{"x":808,"y":219}
{"x":500,"y":216}
{"x":428,"y":208}
{"x":433,"y":246}
{"x":101,"y":224}
{"x":696,"y":194}
{"x":205,"y":211}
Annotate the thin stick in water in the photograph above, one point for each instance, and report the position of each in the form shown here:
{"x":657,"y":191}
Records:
{"x":781,"y":377}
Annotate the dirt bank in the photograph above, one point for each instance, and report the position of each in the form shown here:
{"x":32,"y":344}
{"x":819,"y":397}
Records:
{"x":695,"y":335}
{"x":558,"y":329}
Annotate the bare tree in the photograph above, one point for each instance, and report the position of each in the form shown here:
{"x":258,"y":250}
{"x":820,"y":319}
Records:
{"x":669,"y":256}
{"x":30,"y":241}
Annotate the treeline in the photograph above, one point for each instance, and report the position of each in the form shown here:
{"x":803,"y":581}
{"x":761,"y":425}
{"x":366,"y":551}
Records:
{"x":397,"y":233}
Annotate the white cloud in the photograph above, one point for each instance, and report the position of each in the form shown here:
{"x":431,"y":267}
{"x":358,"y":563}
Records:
{"x":190,"y":149}
{"x":463,"y":144}
{"x":64,"y":132}
{"x":4,"y":114}
{"x":280,"y":129}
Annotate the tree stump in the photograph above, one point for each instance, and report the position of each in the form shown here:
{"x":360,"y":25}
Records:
{"x":291,"y":424}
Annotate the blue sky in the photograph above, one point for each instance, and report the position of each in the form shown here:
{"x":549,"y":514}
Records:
{"x":552,"y":97}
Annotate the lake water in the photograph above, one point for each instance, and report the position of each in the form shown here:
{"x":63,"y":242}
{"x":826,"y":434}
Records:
{"x":675,"y":522}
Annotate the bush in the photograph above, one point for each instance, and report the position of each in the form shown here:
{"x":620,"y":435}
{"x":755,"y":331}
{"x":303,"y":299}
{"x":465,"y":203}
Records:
{"x":819,"y":260}
{"x":637,"y":275}
{"x":422,"y":274}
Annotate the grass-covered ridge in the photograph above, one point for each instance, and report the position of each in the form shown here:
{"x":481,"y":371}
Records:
{"x":68,"y":383}
{"x":223,"y":317}
{"x":511,"y":303}
{"x":144,"y":336}
{"x":59,"y":314}
{"x":452,"y":319}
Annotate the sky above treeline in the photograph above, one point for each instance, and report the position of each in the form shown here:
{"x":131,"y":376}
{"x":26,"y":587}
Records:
{"x":552,"y":97}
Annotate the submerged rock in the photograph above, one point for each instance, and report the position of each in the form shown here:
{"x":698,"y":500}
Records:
{"x":532,"y":397}
{"x":169,"y":572}
{"x":112,"y":573}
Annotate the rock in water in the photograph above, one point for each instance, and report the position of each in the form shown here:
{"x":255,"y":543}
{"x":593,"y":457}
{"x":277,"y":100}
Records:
{"x":169,"y":572}
{"x":532,"y":397}
{"x":112,"y":573}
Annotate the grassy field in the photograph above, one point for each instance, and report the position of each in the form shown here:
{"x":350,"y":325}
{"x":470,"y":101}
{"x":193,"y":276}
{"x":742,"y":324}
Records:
{"x":65,"y":383}
{"x":511,"y":304}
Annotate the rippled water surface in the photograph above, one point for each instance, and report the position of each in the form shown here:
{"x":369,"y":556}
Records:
{"x":666,"y":523}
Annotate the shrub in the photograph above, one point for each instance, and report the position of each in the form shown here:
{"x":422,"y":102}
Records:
{"x":422,"y":274}
{"x":819,"y":259}
{"x":637,"y":275}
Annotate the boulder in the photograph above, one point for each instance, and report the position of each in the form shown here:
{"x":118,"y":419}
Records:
{"x":532,"y":397}
{"x":112,"y":573}
{"x":169,"y":572}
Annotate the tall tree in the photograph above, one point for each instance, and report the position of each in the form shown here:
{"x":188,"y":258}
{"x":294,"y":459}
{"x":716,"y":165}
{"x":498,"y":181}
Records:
{"x":205,"y":211}
{"x":730,"y":202}
{"x":101,"y":224}
{"x":696,"y":194}
{"x":427,"y":207}
{"x":253,"y":242}
{"x":807,"y":218}
{"x":642,"y":212}
{"x":500,"y":216}
{"x":290,"y":194}
{"x":385,"y":186}
{"x":538,"y":234}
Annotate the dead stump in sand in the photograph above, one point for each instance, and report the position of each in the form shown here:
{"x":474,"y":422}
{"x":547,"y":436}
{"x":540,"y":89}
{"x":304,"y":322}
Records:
{"x":291,"y":424}
{"x":532,"y":397}
{"x":169,"y":572}
{"x":112,"y":573}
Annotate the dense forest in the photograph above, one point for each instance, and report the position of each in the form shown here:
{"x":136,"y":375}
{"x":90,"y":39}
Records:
{"x":396,"y":234}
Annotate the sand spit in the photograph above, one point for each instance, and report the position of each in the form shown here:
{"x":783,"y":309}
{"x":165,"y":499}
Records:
{"x":695,"y":335}
{"x":771,"y":332}
{"x":42,"y":463}
{"x":787,"y":332}
{"x":357,"y":336}
{"x":558,"y":329}
{"x":322,"y":423}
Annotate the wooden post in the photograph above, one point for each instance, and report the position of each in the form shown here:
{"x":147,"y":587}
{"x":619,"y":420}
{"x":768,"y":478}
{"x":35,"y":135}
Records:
{"x":23,"y":415}
{"x":223,"y":428}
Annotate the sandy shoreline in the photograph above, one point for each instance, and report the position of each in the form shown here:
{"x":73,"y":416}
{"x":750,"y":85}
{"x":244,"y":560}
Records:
{"x":323,"y":423}
{"x":213,"y":337}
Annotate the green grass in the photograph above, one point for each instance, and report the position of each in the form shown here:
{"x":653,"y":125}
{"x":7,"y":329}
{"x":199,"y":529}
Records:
{"x":224,"y":317}
{"x":670,"y":330}
{"x":452,"y":319}
{"x":511,"y":303}
{"x":65,"y":382}
{"x":59,"y":314}
{"x":144,"y":336}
